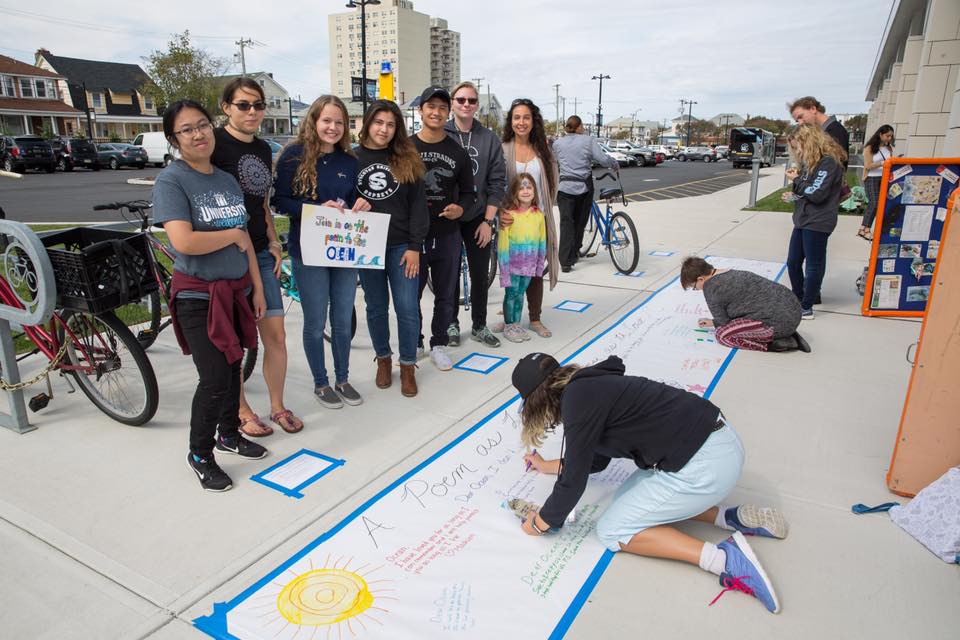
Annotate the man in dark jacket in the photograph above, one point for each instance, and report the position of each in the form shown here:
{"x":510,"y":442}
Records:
{"x":809,"y":110}
{"x":688,"y":459}
{"x":477,"y":222}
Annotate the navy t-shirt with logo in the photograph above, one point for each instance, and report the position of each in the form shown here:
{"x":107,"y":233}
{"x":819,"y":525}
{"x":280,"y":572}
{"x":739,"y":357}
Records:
{"x":209,"y":202}
{"x":250,"y":163}
{"x":406,"y":203}
{"x":449,"y":180}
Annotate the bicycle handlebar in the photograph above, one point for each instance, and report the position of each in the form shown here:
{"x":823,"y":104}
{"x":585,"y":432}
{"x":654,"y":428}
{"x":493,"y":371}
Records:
{"x":132,"y":205}
{"x":607,"y":174}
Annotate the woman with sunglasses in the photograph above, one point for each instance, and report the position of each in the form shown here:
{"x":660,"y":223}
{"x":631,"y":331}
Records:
{"x":321,"y":168}
{"x":249,"y":160}
{"x":391,"y":177}
{"x":476,"y":223}
{"x":214,"y":274}
{"x":526,"y":150}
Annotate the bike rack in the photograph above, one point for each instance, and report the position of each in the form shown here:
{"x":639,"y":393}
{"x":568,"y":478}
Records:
{"x":24,"y":260}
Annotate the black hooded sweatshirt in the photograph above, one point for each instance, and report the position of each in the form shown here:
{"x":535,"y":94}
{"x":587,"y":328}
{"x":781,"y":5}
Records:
{"x":607,"y":414}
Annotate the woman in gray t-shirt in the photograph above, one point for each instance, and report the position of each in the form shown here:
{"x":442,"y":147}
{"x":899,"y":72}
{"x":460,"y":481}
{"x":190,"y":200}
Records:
{"x":216,"y":281}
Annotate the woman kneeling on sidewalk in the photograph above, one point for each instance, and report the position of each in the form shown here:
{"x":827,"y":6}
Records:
{"x":689,"y":459}
{"x":214,"y":274}
{"x":749,"y":311}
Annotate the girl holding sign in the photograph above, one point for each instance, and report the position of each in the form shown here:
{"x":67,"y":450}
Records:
{"x":391,"y":177}
{"x":320,"y":168}
{"x":688,"y":459}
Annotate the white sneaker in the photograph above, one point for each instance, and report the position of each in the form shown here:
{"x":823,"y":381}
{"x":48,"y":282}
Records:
{"x":421,"y":352}
{"x":440,"y":358}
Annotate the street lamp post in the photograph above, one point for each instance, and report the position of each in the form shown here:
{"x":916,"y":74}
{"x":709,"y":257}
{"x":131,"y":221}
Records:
{"x":353,"y":4}
{"x":684,"y":103}
{"x":601,"y":78}
{"x":633,"y":119}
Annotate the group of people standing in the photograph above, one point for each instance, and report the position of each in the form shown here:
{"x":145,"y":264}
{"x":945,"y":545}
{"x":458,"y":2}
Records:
{"x":452,"y":186}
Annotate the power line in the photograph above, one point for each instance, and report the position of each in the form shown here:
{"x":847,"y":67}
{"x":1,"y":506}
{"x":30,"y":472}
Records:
{"x":67,"y":22}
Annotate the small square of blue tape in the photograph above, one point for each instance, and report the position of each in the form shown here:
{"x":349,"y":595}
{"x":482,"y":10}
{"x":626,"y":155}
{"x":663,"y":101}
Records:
{"x":480,"y":363}
{"x":313,"y":466}
{"x":661,"y":254}
{"x":635,"y":274}
{"x":573,"y":305}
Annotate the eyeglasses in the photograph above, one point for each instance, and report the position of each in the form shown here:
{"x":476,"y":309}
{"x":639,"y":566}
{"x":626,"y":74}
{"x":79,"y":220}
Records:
{"x":259,"y":105}
{"x":466,"y":100}
{"x":189,"y":131}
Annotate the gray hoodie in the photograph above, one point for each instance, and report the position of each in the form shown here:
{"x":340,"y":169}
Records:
{"x":489,"y":171}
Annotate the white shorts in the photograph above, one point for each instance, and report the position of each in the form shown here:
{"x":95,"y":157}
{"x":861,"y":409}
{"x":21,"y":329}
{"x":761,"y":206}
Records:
{"x":649,"y":497}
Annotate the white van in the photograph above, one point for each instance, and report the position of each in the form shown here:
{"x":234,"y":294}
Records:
{"x":159,"y":151}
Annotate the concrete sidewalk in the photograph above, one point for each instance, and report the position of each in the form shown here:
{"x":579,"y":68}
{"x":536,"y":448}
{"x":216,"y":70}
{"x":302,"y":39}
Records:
{"x":104,"y":532}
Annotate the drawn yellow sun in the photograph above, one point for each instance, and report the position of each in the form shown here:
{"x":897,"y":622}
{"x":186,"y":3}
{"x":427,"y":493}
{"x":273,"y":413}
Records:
{"x":324,"y":597}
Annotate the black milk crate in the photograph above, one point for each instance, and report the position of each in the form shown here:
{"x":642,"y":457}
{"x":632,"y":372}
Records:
{"x":98,"y":270}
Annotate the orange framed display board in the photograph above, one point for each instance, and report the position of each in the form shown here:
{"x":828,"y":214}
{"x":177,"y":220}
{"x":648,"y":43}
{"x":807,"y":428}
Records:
{"x":911,"y":222}
{"x":928,"y":441}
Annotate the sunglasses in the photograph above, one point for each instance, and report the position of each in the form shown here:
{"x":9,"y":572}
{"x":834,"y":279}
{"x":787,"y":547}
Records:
{"x":466,"y":100}
{"x":245,"y":106}
{"x":524,"y":101}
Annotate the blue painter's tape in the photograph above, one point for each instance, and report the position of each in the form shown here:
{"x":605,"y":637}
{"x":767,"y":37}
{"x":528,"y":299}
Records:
{"x":635,"y":274}
{"x":296,"y":492}
{"x":496,"y":362}
{"x":573,"y":305}
{"x":661,"y":254}
{"x":215,"y":625}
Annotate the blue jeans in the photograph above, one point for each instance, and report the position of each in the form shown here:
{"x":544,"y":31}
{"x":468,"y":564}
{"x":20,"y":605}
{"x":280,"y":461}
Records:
{"x":377,"y":287}
{"x":322,"y":288}
{"x":271,"y":285}
{"x":810,"y":247}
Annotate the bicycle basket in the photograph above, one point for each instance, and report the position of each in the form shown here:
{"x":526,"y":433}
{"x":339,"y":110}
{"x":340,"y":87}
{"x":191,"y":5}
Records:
{"x":98,"y":270}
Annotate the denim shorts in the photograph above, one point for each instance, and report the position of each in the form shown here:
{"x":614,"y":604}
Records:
{"x":651,"y":497}
{"x":271,"y":285}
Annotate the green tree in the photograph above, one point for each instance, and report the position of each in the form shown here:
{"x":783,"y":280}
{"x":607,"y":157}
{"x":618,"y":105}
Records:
{"x":857,"y":126}
{"x":699,"y":130}
{"x":184,"y":71}
{"x":776,"y":127}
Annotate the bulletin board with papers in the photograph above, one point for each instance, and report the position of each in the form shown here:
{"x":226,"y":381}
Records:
{"x":911,"y":219}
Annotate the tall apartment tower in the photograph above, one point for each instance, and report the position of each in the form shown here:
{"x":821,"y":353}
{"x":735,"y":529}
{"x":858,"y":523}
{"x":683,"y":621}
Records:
{"x":396,"y":34}
{"x":444,"y":54}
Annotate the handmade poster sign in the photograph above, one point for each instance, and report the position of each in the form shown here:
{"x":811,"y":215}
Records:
{"x":329,"y":238}
{"x":437,"y":555}
{"x":911,"y":220}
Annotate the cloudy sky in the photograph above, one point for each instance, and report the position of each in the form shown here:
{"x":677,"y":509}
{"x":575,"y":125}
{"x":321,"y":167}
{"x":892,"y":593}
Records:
{"x":742,"y":56}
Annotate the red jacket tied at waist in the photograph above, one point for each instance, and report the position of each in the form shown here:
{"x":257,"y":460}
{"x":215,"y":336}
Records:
{"x":230,"y":322}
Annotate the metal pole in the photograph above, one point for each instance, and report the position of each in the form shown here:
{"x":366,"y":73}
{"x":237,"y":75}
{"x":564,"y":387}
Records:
{"x":556,"y":89}
{"x":86,"y":108}
{"x":601,"y":78}
{"x":754,"y":175}
{"x":290,"y":113}
{"x":363,"y":51}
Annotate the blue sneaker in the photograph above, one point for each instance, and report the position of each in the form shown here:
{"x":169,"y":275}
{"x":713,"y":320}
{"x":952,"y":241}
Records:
{"x":752,"y":520}
{"x":806,"y":314}
{"x":743,"y":572}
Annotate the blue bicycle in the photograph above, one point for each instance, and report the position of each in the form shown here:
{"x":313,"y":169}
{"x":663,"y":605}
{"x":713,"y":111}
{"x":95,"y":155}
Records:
{"x":616,"y":230}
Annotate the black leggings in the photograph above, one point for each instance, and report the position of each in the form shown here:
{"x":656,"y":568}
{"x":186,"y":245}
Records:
{"x":216,"y":402}
{"x":479,"y":261}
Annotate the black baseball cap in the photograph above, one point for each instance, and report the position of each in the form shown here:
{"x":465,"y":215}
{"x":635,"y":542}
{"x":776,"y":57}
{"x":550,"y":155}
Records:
{"x":434,"y":92}
{"x":531,"y":371}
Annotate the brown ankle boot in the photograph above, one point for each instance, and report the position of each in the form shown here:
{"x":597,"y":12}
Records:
{"x":384,"y":372}
{"x":408,"y":380}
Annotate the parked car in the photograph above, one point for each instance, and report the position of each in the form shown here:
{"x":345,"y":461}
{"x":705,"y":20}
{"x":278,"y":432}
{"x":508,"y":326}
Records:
{"x":643,"y":156}
{"x":623,"y":159}
{"x":158,"y":149}
{"x":745,"y":140}
{"x":275,"y":147}
{"x":698,"y":153}
{"x":722,"y":151}
{"x":27,"y":152}
{"x":74,"y":152}
{"x":668,"y":152}
{"x":119,"y":154}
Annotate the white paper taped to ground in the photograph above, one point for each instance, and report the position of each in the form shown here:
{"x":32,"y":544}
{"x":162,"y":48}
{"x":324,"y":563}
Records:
{"x":437,"y":553}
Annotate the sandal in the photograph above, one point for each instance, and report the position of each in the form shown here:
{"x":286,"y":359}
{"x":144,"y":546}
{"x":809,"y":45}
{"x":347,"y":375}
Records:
{"x":865,"y":234}
{"x":539,"y":329}
{"x":290,"y":423}
{"x":255,"y":427}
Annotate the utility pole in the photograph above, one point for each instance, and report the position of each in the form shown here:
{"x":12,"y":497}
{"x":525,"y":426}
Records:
{"x":601,"y":78}
{"x":353,"y":4}
{"x":563,"y":103}
{"x":484,"y":119}
{"x":556,"y":89}
{"x":684,"y":103}
{"x":243,"y":42}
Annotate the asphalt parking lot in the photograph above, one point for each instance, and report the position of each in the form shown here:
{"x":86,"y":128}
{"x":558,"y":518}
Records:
{"x":69,"y":197}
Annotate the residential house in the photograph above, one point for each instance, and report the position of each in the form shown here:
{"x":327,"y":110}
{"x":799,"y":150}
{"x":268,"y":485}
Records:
{"x":277,"y":120}
{"x":111,"y":91}
{"x":31,"y":101}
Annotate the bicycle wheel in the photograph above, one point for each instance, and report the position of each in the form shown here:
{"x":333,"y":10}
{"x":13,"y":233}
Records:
{"x":112,"y":369}
{"x":589,"y":235}
{"x":624,"y":244}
